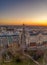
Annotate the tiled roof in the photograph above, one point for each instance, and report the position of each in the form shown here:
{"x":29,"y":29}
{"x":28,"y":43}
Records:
{"x":36,"y":33}
{"x":43,"y":33}
{"x":8,"y":35}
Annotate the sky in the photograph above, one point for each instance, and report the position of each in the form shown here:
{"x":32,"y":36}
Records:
{"x":29,"y":12}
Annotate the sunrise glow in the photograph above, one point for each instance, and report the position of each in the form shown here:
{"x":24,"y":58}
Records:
{"x":29,"y":12}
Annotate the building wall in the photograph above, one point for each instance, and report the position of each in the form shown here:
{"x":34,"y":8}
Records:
{"x":38,"y":39}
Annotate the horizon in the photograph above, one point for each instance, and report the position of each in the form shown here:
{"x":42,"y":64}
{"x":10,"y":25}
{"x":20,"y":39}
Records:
{"x":29,"y":12}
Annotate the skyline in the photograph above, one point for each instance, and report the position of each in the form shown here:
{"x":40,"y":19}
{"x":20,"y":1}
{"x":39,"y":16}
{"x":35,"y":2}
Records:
{"x":29,"y":12}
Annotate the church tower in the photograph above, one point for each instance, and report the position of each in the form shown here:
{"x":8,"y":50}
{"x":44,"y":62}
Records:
{"x":23,"y":37}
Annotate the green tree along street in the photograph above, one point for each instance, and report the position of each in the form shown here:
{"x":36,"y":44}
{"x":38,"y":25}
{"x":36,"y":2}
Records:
{"x":25,"y":62}
{"x":19,"y":61}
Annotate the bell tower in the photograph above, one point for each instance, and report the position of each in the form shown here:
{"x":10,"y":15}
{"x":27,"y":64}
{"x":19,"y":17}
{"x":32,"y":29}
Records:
{"x":23,"y":37}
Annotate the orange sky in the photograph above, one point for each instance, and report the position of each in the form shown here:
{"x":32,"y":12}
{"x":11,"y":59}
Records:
{"x":25,"y":21}
{"x":29,"y":12}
